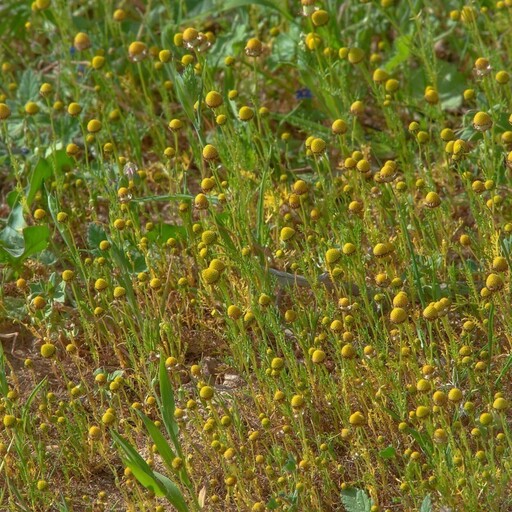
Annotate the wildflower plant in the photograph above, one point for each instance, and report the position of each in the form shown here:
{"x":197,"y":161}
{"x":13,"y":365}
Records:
{"x":255,"y":256}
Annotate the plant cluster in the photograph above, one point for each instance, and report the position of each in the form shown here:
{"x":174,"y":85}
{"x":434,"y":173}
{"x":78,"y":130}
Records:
{"x":256,"y":256}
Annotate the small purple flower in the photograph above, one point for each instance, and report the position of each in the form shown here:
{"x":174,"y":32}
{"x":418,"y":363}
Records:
{"x":303,"y":94}
{"x":72,"y":50}
{"x":129,"y":170}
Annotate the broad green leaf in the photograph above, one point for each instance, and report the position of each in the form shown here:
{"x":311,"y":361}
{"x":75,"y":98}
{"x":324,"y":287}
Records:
{"x":95,"y":235}
{"x":25,"y":415}
{"x":42,"y":171}
{"x":12,"y":244}
{"x":388,"y":453}
{"x":290,"y":464}
{"x":172,"y":493}
{"x":423,"y":440}
{"x":426,"y":504}
{"x":356,"y":500}
{"x":163,"y":231}
{"x":139,"y":467}
{"x":168,"y":197}
{"x":168,"y":406}
{"x":4,"y":386}
{"x":36,"y":239}
{"x":28,"y":89}
{"x":161,"y":443}
{"x":260,"y":217}
{"x":16,"y":219}
{"x":402,"y":53}
{"x":272,"y":504}
{"x":159,"y":484}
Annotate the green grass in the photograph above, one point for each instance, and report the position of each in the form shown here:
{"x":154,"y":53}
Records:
{"x":296,"y":299}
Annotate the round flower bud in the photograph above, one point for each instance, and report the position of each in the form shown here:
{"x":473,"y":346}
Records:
{"x":137,"y":51}
{"x":95,"y":433}
{"x":398,"y":315}
{"x":210,"y":275}
{"x":93,"y":126}
{"x":206,"y":392}
{"x":5,"y":112}
{"x":245,"y":113}
{"x":455,"y":395}
{"x":339,"y":127}
{"x":318,"y":356}
{"x":48,"y":350}
{"x":81,"y":41}
{"x":234,"y":312}
{"x":494,"y":282}
{"x":430,"y":312}
{"x":287,"y":233}
{"x":253,"y":48}
{"x":100,"y":284}
{"x":357,"y":419}
{"x":432,"y":200}
{"x":210,"y":152}
{"x":317,"y":146}
{"x":355,"y":55}
{"x":320,"y":18}
{"x":482,"y":121}
{"x":213,"y":99}
{"x":297,"y":402}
